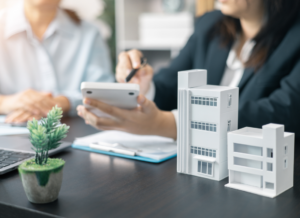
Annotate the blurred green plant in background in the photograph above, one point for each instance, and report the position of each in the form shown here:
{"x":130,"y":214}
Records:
{"x":108,"y":16}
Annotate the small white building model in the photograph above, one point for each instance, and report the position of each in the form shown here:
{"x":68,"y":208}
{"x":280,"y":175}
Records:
{"x":206,"y":114}
{"x":261,"y":161}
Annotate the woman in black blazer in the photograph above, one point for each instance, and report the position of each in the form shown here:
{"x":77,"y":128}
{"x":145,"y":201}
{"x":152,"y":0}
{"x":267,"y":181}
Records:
{"x":267,"y":32}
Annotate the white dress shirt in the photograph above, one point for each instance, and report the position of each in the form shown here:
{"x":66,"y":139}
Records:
{"x":233,"y":73}
{"x":67,"y":55}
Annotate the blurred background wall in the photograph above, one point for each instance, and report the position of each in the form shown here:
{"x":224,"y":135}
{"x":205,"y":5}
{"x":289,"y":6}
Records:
{"x":159,"y":28}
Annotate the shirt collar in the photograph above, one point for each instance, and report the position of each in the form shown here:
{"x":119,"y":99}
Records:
{"x":16,"y":22}
{"x":233,"y":62}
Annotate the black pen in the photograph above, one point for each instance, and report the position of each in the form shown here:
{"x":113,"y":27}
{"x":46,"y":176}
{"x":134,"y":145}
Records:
{"x":133,"y":71}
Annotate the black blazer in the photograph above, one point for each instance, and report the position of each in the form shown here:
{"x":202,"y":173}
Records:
{"x":270,"y":95}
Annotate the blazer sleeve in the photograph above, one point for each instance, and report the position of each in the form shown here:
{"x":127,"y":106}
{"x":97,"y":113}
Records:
{"x":282,"y":106}
{"x":166,"y":79}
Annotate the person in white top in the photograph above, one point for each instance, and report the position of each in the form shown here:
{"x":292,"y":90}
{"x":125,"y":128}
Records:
{"x":45,"y":54}
{"x":243,"y":45}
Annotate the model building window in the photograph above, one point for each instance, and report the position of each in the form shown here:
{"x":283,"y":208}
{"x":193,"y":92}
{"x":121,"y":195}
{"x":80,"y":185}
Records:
{"x":285,"y":149}
{"x":193,"y":100}
{"x":215,"y":102}
{"x":211,"y":127}
{"x":269,"y":185}
{"x":204,"y":101}
{"x":205,"y":168}
{"x":204,"y":126}
{"x":269,"y":167}
{"x":285,"y":163}
{"x":229,"y":100}
{"x":228,"y":125}
{"x":203,"y":151}
{"x":192,"y":125}
{"x":270,"y":152}
{"x":199,"y":151}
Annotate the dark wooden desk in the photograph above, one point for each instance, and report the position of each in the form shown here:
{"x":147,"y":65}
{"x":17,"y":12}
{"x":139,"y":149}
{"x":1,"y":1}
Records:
{"x":96,"y":185}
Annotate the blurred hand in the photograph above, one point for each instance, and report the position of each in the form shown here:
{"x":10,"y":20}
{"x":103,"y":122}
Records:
{"x":146,"y":119}
{"x":128,"y":61}
{"x":38,"y":103}
{"x":21,"y":116}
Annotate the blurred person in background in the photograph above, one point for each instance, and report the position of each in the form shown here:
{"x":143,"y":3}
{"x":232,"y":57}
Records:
{"x":250,"y":44}
{"x":45,"y":54}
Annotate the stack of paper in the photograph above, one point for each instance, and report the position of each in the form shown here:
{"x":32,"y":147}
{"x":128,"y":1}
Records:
{"x":154,"y":147}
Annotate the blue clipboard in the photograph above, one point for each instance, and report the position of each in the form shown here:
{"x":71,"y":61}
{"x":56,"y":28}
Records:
{"x":146,"y":159}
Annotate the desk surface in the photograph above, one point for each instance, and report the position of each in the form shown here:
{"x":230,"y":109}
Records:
{"x":97,"y":185}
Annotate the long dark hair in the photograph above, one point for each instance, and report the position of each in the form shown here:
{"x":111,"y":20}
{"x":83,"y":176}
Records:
{"x":280,"y":16}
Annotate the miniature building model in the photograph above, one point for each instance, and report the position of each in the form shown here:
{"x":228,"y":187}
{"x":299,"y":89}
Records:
{"x":261,"y":161}
{"x":206,"y":114}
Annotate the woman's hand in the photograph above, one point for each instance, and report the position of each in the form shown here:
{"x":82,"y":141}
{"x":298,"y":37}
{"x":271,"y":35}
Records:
{"x":128,"y":61}
{"x":146,"y":119}
{"x":21,"y":116}
{"x":38,"y":103}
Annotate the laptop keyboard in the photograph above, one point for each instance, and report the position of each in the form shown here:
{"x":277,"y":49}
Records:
{"x":11,"y":157}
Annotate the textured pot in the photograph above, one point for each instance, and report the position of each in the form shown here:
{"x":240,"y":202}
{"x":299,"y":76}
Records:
{"x":41,"y":186}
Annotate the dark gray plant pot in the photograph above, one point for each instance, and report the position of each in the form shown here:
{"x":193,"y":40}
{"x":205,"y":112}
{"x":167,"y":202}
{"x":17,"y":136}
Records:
{"x":41,"y":187}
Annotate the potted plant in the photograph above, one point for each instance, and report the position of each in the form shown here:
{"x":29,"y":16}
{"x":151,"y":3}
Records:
{"x":42,"y":176}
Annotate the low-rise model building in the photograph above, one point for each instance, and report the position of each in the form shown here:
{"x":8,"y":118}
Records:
{"x":261,"y":161}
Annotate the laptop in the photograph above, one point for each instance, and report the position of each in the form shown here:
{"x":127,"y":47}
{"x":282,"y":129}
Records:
{"x":15,"y":150}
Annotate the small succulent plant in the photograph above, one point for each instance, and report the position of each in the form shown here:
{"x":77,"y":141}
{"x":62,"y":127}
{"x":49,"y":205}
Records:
{"x":47,"y":134}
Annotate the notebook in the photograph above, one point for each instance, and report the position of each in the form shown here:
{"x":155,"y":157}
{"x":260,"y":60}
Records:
{"x":154,"y":149}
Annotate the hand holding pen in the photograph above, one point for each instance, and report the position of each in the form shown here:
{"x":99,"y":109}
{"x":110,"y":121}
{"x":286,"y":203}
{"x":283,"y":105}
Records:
{"x":132,"y":63}
{"x":134,"y":71}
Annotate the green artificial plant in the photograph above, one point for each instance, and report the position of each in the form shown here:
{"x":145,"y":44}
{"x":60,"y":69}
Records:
{"x":47,"y":134}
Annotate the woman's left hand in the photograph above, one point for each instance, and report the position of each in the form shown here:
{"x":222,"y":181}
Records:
{"x":146,"y":119}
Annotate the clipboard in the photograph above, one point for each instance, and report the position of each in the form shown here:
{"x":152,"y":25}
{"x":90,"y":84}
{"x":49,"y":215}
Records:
{"x":139,"y":158}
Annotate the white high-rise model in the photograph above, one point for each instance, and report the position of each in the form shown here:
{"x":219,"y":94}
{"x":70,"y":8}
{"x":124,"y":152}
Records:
{"x":206,"y":114}
{"x":261,"y":161}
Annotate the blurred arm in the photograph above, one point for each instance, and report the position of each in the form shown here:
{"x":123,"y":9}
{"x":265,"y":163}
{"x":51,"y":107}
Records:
{"x":281,"y":106}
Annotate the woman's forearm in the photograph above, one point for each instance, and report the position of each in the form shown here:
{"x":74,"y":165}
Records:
{"x":63,"y":102}
{"x":167,"y":125}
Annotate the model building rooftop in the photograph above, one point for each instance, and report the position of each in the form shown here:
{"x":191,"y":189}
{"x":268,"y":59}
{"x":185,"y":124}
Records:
{"x":258,"y":133}
{"x":249,"y":131}
{"x":213,"y":88}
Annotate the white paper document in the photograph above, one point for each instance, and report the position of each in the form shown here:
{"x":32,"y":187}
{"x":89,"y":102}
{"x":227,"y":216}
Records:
{"x":2,"y":118}
{"x":154,"y":147}
{"x":6,"y":129}
{"x":13,"y":130}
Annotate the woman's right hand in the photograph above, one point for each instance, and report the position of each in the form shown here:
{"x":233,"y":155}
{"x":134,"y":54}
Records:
{"x":132,"y":60}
